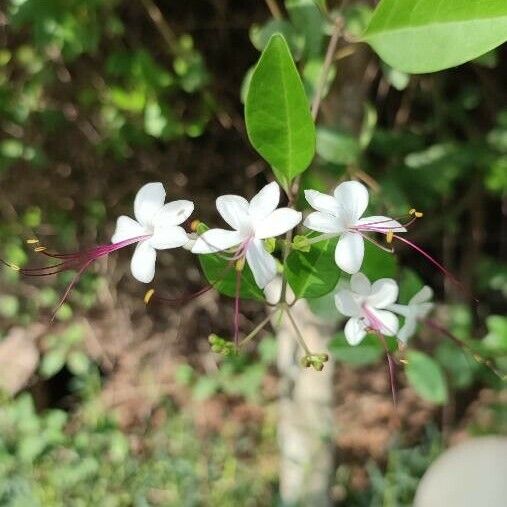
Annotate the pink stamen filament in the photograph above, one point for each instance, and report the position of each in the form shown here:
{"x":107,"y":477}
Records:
{"x":377,"y":326}
{"x":236,"y":307}
{"x":79,"y":261}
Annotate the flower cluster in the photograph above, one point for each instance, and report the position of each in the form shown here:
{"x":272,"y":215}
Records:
{"x":160,"y":226}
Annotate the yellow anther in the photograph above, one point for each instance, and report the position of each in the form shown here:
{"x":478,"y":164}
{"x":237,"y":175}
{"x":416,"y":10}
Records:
{"x":39,"y":249}
{"x":240,"y":264}
{"x":194,"y":225}
{"x":415,"y":213}
{"x":403,"y":361}
{"x":148,"y":296}
{"x":389,"y":236}
{"x":14,"y":267}
{"x":32,"y":241}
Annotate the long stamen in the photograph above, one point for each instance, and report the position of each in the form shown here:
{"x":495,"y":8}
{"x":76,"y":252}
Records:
{"x":431,"y":259}
{"x":239,"y":270}
{"x":391,"y":366}
{"x":463,"y":345}
{"x":69,"y":288}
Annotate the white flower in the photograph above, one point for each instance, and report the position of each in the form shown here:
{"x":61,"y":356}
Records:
{"x":364,"y":303}
{"x":418,"y":308}
{"x":252,"y":222}
{"x":340,"y":215}
{"x":157,"y":226}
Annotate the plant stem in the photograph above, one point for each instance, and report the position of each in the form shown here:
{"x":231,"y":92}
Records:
{"x":255,"y":331}
{"x":293,"y":190}
{"x":299,"y":336}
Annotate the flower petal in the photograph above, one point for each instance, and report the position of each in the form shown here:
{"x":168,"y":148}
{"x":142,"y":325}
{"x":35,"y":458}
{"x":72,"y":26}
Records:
{"x":279,"y":222}
{"x":355,"y":331}
{"x":127,"y":228}
{"x":424,"y":295}
{"x":173,"y":213}
{"x":380,"y":224}
{"x":408,"y":329}
{"x":360,"y":284}
{"x":384,"y":292}
{"x":262,"y":264}
{"x":148,"y":202}
{"x":322,"y":202}
{"x":403,"y":310}
{"x":234,"y":210}
{"x":265,"y":201}
{"x":170,"y":236}
{"x":349,"y":252}
{"x":142,"y":264}
{"x":352,"y":199}
{"x":323,"y":222}
{"x":346,"y":304}
{"x":383,"y":321}
{"x":216,"y":240}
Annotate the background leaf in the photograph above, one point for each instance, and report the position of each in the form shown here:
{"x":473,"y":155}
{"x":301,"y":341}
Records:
{"x":277,"y":113}
{"x":419,"y":36}
{"x":426,"y":377}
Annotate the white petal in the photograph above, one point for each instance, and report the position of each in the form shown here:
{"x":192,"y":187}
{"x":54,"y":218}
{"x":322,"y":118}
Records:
{"x":408,"y":329}
{"x":174,"y":213}
{"x":354,"y":331}
{"x":143,"y":262}
{"x":127,"y":228}
{"x":403,"y":310}
{"x":422,"y":310}
{"x":323,"y":222}
{"x":265,"y":201}
{"x":322,"y":202}
{"x":279,"y":222}
{"x":352,"y":199}
{"x":425,"y":294}
{"x":171,"y":236}
{"x":360,"y":284}
{"x":384,"y":292}
{"x":234,"y":210}
{"x":262,"y":264}
{"x":346,"y":304}
{"x":349,"y":252}
{"x":383,"y":321}
{"x":381,"y":224}
{"x":216,"y":240}
{"x":148,"y":202}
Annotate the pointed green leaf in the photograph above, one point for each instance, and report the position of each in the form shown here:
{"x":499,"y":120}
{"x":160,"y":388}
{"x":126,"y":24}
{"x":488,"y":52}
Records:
{"x":419,"y":36}
{"x":221,"y":273}
{"x":277,"y":113}
{"x":315,"y":273}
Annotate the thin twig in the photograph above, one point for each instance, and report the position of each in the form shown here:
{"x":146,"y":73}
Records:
{"x":255,"y":331}
{"x":162,"y":26}
{"x":274,"y":9}
{"x":328,"y":61}
{"x":299,"y":336}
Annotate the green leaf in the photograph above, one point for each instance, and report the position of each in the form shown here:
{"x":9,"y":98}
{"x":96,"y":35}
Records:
{"x":459,"y":367}
{"x":309,"y":21}
{"x":313,"y":274}
{"x":419,"y":36}
{"x":337,"y":147}
{"x":277,"y":113}
{"x":426,"y":377}
{"x":219,"y":272}
{"x":369,"y":351}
